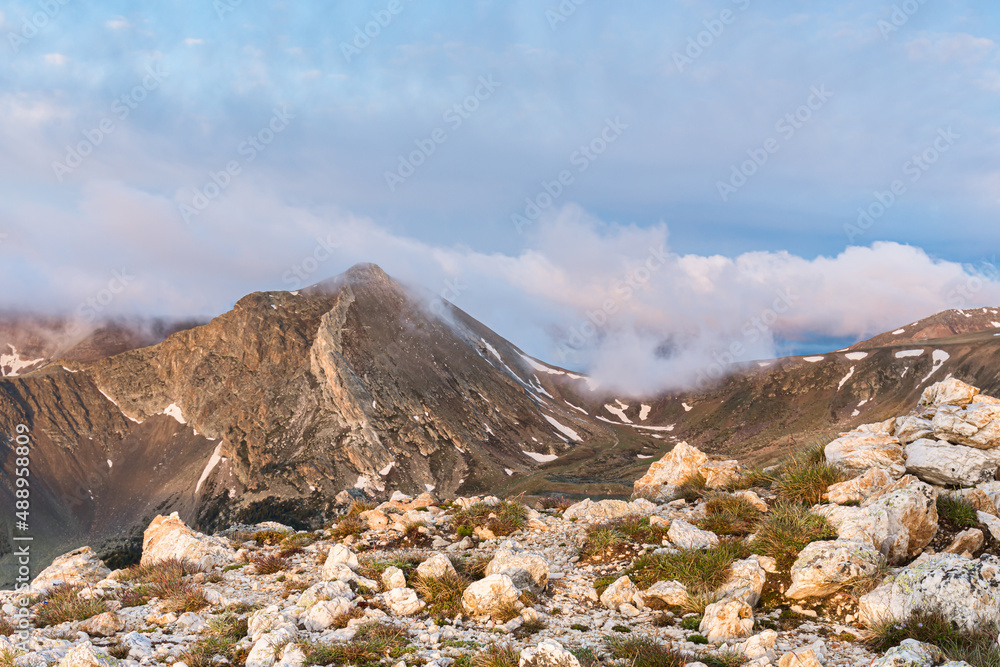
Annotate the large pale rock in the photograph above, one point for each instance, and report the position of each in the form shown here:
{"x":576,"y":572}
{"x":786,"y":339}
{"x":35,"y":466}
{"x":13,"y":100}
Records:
{"x":528,"y":571}
{"x":403,"y":601}
{"x":727,"y":620}
{"x":264,"y":652}
{"x":685,"y":536}
{"x":677,"y":465}
{"x":107,"y":624}
{"x":325,"y":590}
{"x":911,"y":653}
{"x":392,"y":578}
{"x":622,"y":591}
{"x":899,"y":523}
{"x":168,"y":537}
{"x":759,"y":646}
{"x":963,"y":590}
{"x":887,"y":427}
{"x":668,"y":593}
{"x":326,"y":613}
{"x":976,"y":426}
{"x":859,"y":489}
{"x":606,"y":510}
{"x":805,"y":657}
{"x":822,"y":568}
{"x":435,"y":567}
{"x":85,"y":655}
{"x":80,"y":566}
{"x":718,"y":474}
{"x":948,"y":392}
{"x":746,"y":581}
{"x":945,"y":464}
{"x":991,"y":522}
{"x":548,"y":653}
{"x":339,"y":555}
{"x":268,"y":620}
{"x":489,"y":596}
{"x":968,"y":541}
{"x":911,"y":428}
{"x":860,"y":451}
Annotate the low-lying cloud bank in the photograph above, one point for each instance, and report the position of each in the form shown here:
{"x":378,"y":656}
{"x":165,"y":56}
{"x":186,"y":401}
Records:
{"x":608,"y":298}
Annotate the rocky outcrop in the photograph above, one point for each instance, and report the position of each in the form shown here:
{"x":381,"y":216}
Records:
{"x":78,"y":567}
{"x":860,"y":451}
{"x":548,"y":653}
{"x":606,"y":510}
{"x":490,"y":596}
{"x":823,"y":568}
{"x":859,"y":489}
{"x":946,"y":464}
{"x":899,"y":522}
{"x":727,"y":620}
{"x":963,"y":590}
{"x":949,"y":392}
{"x":167,"y":537}
{"x":528,"y":571}
{"x":683,"y":462}
{"x":977,"y":425}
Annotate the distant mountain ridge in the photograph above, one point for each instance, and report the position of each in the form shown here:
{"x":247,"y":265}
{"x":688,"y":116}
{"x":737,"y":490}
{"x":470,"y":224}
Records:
{"x":273,"y":408}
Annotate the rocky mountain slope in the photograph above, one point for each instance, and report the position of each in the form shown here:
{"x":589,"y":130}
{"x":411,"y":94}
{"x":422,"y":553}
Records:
{"x":878,"y":550}
{"x":271,"y":410}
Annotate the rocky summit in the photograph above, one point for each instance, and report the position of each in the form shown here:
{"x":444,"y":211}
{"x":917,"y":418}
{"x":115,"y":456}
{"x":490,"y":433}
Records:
{"x":877,"y":548}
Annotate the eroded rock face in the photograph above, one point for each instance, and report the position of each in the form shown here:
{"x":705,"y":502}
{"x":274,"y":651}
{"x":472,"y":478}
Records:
{"x":945,"y":464}
{"x":435,"y":567}
{"x":859,"y":489}
{"x":489,"y":596}
{"x":678,"y":465}
{"x":528,"y":571}
{"x":949,"y":392}
{"x":977,"y":425}
{"x":727,"y":620}
{"x":860,"y":451}
{"x":622,"y":591}
{"x":669,"y":593}
{"x":686,"y":536}
{"x":168,"y":537}
{"x":746,"y":581}
{"x":822,"y":568}
{"x":548,"y":653}
{"x":899,"y":522}
{"x":80,"y":566}
{"x":403,"y":601}
{"x":963,"y":590}
{"x":606,"y":510}
{"x":910,"y":429}
{"x":103,"y":625}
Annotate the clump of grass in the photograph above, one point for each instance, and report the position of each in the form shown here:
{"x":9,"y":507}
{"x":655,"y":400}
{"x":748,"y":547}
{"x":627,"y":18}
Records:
{"x":531,"y":627}
{"x":866,"y":583}
{"x":601,"y":540}
{"x":559,"y":503}
{"x":978,"y":647}
{"x":639,"y":529}
{"x":693,"y":488}
{"x":8,"y":656}
{"x":349,"y":525}
{"x":188,"y":598}
{"x":288,"y":552}
{"x":443,"y":595}
{"x":63,"y":603}
{"x":723,"y":658}
{"x":579,"y":627}
{"x":268,"y":564}
{"x":497,"y":655}
{"x":222,"y":635}
{"x":6,"y":629}
{"x":359,"y":506}
{"x":373,"y":642}
{"x":268,"y":537}
{"x":701,"y":571}
{"x":751,"y":478}
{"x":165,"y":580}
{"x":586,"y":657}
{"x":504,"y":518}
{"x":117,"y":650}
{"x":729,"y":515}
{"x":372,"y":568}
{"x":804,"y":478}
{"x":644,"y":652}
{"x":131,"y":597}
{"x":691,"y":623}
{"x":957,"y":511}
{"x":473,"y":568}
{"x":784,"y":532}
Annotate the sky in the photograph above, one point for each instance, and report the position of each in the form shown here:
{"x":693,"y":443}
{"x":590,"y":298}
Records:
{"x":623,"y":188}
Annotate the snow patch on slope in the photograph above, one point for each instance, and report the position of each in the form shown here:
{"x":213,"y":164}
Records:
{"x":541,"y":458}
{"x":212,"y":462}
{"x":565,"y":430}
{"x":940,"y":356}
{"x":856,"y":356}
{"x":618,"y":412}
{"x":903,"y":354}
{"x":846,"y":378}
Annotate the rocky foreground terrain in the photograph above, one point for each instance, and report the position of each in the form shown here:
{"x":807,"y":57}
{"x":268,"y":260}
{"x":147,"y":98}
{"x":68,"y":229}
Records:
{"x":879,"y":548}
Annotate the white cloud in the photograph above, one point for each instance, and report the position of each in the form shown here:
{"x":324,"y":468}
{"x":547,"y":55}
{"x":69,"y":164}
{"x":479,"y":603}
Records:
{"x":948,"y":47}
{"x":191,"y":41}
{"x":55,"y":59}
{"x":117,"y":23}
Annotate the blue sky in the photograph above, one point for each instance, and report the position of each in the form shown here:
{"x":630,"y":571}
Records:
{"x":833,"y":103}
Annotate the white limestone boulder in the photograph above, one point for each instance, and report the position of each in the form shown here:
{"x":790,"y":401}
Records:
{"x":727,"y":620}
{"x":168,"y":537}
{"x":859,"y":451}
{"x":942,"y":463}
{"x":977,"y":425}
{"x":823,"y":568}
